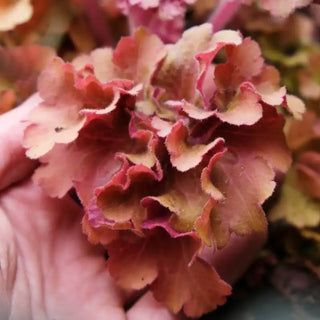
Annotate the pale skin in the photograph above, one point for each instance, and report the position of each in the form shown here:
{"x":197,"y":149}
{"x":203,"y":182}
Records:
{"x":48,"y":269}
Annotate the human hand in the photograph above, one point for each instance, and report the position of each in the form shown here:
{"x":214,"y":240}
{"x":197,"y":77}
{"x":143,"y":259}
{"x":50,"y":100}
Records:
{"x":48,"y":268}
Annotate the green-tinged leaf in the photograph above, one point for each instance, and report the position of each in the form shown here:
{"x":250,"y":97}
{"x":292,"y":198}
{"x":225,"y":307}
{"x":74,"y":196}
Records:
{"x":294,"y":205}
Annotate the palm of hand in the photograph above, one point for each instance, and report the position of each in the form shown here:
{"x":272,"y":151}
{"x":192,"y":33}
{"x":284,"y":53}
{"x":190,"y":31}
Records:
{"x":54,"y":272}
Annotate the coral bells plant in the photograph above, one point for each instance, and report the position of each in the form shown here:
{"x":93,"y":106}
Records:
{"x":166,"y":18}
{"x":169,"y":150}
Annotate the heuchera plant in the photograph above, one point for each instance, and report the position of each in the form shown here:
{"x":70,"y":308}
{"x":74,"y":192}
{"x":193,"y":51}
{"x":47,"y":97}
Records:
{"x":298,"y":202}
{"x":278,"y":9}
{"x":166,"y":18}
{"x":168,"y":149}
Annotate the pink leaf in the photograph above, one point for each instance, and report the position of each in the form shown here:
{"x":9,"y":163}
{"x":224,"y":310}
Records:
{"x":137,"y":57}
{"x":244,"y":109}
{"x":183,"y":156}
{"x":179,"y":72}
{"x":247,"y":58}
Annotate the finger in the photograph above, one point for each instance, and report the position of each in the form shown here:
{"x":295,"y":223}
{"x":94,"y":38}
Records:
{"x":233,"y":260}
{"x":147,"y":308}
{"x":14,"y":165}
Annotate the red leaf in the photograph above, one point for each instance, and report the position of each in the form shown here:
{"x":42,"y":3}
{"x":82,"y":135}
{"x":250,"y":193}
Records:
{"x":264,"y":139}
{"x":119,"y":200}
{"x":168,"y":265}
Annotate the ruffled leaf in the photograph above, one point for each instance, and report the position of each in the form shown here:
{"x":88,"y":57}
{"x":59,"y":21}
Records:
{"x":168,"y":266}
{"x":267,"y":85}
{"x":184,"y":198}
{"x":101,"y":234}
{"x":247,"y":58}
{"x":101,"y":61}
{"x":244,"y":109}
{"x":246,"y":182}
{"x":137,"y":57}
{"x":68,"y":165}
{"x":179,"y":71}
{"x":240,"y":84}
{"x":183,"y":156}
{"x":119,"y":200}
{"x":263,"y":139}
{"x":53,"y":122}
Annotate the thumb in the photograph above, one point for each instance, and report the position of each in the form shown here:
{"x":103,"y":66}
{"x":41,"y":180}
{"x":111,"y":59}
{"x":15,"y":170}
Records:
{"x":14,"y":165}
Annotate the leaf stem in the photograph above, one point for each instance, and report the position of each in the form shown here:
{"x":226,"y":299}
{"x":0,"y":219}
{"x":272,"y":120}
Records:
{"x":223,"y":13}
{"x":97,"y":22}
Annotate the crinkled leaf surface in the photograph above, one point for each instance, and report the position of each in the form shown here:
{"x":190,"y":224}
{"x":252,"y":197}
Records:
{"x":167,"y":264}
{"x":246,"y":181}
{"x":179,"y":71}
{"x":57,"y":120}
{"x":183,"y":197}
{"x":87,"y":168}
{"x":244,"y":109}
{"x":240,"y":84}
{"x":247,"y":58}
{"x":101,"y":61}
{"x":182,"y":155}
{"x":263,"y":139}
{"x":119,"y":200}
{"x":137,"y":57}
{"x":267,"y":84}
